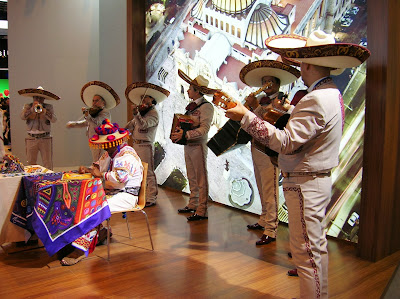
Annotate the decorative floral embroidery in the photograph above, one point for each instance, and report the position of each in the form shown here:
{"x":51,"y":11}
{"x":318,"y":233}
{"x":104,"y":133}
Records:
{"x":259,"y":131}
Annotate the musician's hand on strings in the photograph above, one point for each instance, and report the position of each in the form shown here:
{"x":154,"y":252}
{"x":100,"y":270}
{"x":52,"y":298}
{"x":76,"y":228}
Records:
{"x":236,"y":113}
{"x":85,"y":111}
{"x":135,"y":109}
{"x":177,"y":135}
{"x":252,"y":101}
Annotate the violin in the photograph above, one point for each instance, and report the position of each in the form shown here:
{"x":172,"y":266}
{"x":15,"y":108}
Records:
{"x":93,"y":111}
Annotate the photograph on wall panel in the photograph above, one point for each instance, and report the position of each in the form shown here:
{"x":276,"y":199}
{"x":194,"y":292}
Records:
{"x":216,"y":39}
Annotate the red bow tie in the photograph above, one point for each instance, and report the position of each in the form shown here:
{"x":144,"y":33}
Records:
{"x":265,"y":101}
{"x":191,"y":106}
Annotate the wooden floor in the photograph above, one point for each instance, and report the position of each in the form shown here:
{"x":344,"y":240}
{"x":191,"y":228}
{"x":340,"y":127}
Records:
{"x":215,"y":258}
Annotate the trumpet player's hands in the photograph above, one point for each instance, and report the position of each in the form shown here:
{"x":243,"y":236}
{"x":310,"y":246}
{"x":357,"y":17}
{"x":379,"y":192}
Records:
{"x":236,"y":113}
{"x":177,"y":135}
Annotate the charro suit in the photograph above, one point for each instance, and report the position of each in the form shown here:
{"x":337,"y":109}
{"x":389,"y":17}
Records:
{"x":91,"y":123}
{"x":38,"y":129}
{"x":196,"y":155}
{"x":308,"y":149}
{"x":267,"y":182}
{"x":143,"y":129}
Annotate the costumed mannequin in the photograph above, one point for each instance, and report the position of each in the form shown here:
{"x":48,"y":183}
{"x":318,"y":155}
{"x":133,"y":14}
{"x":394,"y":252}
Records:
{"x":143,"y":127}
{"x":100,"y":98}
{"x":308,"y":147}
{"x":120,"y":166}
{"x":257,"y":74}
{"x":121,"y":170}
{"x":38,"y":117}
{"x":201,"y":112}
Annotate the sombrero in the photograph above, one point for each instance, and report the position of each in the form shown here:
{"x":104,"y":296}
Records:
{"x":199,"y":82}
{"x":38,"y":92}
{"x":318,"y":49}
{"x":135,"y":91}
{"x":92,"y":88}
{"x":252,"y":73}
{"x":108,"y":135}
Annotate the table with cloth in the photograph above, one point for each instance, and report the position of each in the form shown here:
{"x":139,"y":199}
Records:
{"x":61,"y":211}
{"x":10,"y":190}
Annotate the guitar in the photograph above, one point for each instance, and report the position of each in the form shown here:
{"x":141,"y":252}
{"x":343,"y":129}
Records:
{"x":231,"y":135}
{"x":276,"y":114}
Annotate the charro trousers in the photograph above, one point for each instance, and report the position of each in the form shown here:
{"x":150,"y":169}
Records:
{"x":307,"y":198}
{"x":44,"y":146}
{"x":196,"y":168}
{"x":267,"y":183}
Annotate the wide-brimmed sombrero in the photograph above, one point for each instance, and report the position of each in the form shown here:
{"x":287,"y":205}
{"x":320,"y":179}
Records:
{"x":252,"y":73}
{"x":92,"y":88}
{"x":38,"y":92}
{"x":135,"y":91}
{"x":200,"y":82}
{"x":318,"y":49}
{"x":108,"y":135}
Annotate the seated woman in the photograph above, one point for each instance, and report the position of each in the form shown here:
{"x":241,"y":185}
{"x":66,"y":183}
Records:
{"x":121,"y":170}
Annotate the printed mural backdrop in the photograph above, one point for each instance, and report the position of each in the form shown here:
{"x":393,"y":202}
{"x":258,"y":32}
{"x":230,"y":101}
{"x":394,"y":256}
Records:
{"x":216,"y":39}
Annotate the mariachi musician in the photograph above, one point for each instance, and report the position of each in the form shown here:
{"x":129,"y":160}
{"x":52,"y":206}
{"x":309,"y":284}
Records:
{"x":201,"y":112}
{"x":99,"y":99}
{"x":256,"y":74}
{"x":38,"y":117}
{"x":143,"y":127}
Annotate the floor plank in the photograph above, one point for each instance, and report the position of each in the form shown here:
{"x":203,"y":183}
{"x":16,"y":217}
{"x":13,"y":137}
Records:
{"x":215,"y":258}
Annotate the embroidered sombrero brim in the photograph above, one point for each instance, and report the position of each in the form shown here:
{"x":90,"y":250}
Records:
{"x":337,"y":56}
{"x":252,"y":73}
{"x":31,"y":92}
{"x":334,"y":72}
{"x":92,"y":88}
{"x":203,"y":89}
{"x":135,"y":91}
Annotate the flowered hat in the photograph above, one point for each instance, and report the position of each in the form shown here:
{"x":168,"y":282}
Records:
{"x":199,"y":82}
{"x":92,"y":88}
{"x":38,"y":92}
{"x":318,"y":49}
{"x":252,"y":73}
{"x":135,"y":91}
{"x":108,"y":135}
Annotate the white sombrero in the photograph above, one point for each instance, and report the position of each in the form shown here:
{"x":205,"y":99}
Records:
{"x":92,"y":88}
{"x":199,"y":82}
{"x":252,"y":73}
{"x":318,"y":49}
{"x":135,"y":91}
{"x":38,"y":92}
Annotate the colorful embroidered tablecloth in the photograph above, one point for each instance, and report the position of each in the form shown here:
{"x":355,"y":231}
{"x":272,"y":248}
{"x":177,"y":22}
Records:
{"x":63,"y":211}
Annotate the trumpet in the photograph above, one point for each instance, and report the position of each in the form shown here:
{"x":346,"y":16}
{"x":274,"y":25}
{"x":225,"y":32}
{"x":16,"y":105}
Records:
{"x":38,"y":108}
